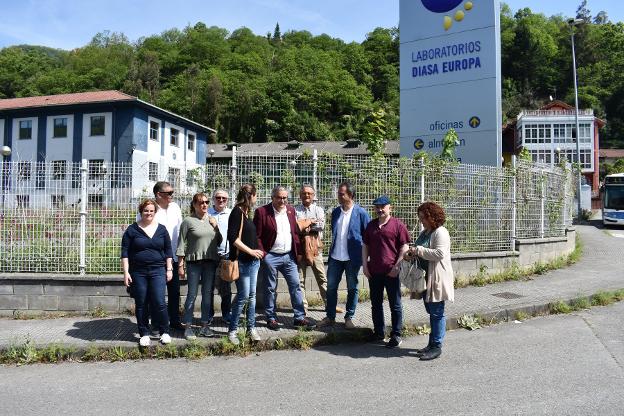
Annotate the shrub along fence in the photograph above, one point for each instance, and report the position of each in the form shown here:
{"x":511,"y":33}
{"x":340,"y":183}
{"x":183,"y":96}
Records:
{"x":72,"y":220}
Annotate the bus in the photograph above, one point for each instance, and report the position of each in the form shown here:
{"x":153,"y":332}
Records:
{"x":613,"y":200}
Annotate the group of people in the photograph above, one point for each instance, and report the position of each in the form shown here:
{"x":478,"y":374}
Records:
{"x":161,"y":248}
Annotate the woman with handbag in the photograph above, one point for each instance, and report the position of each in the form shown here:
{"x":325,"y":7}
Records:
{"x":243,"y":243}
{"x":433,"y":251}
{"x":198,"y":258}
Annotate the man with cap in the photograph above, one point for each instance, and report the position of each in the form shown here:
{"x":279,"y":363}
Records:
{"x":385,"y":240}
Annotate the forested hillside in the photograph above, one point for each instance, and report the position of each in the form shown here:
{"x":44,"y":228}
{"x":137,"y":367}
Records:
{"x":293,"y":85}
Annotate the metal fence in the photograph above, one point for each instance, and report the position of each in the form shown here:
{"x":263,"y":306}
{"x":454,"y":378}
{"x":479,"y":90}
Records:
{"x":70,"y":218}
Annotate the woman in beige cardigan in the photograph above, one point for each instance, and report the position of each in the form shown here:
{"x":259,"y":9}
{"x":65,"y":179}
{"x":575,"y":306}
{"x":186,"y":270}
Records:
{"x":433,"y":250}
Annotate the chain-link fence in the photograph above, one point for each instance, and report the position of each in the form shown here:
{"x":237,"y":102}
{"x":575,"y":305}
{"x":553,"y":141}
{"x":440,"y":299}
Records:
{"x":70,"y":218}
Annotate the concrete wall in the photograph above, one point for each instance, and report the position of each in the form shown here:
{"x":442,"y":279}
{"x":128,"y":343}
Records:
{"x":68,"y":293}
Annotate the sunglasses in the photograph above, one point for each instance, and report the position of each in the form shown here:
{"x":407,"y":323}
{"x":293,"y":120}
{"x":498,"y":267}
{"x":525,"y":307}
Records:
{"x":170,"y":193}
{"x":221,"y":198}
{"x":283,"y":198}
{"x":203,"y":202}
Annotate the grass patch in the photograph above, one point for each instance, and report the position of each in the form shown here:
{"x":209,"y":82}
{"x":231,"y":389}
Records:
{"x":302,"y":341}
{"x":603,"y":298}
{"x":515,"y":272}
{"x":521,"y":316}
{"x":470,"y":322}
{"x":98,"y":312}
{"x":560,"y":307}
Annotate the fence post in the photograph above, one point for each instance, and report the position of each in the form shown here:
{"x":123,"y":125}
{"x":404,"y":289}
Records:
{"x":315,"y":170}
{"x":513,"y":202}
{"x":83,"y":217}
{"x":422,"y":186}
{"x":233,"y":169}
{"x":541,"y":203}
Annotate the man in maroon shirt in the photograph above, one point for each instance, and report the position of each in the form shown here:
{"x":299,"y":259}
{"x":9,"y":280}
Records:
{"x":385,"y":240}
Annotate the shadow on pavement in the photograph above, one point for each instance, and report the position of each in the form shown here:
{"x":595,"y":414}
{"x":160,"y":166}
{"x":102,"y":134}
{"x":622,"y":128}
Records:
{"x":110,"y":329}
{"x":369,"y":350}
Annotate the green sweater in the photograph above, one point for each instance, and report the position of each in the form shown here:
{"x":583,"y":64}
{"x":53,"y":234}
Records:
{"x":198,"y":240}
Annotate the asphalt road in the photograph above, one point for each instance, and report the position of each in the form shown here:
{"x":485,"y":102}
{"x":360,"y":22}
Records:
{"x":557,"y":365}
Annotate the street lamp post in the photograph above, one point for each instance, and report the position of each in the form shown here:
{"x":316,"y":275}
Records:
{"x":572,"y":23}
{"x":5,"y":151}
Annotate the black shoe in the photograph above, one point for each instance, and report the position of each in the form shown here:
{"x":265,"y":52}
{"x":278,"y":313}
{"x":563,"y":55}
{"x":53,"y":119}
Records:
{"x":432,"y":354}
{"x":394,"y":341}
{"x":422,"y":351}
{"x":272,"y":325}
{"x":304,"y":324}
{"x":378,"y":336}
{"x":177,"y":326}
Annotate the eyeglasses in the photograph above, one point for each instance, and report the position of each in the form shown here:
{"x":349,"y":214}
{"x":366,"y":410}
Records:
{"x":169,"y":193}
{"x":221,"y":198}
{"x":283,"y":198}
{"x":203,"y":202}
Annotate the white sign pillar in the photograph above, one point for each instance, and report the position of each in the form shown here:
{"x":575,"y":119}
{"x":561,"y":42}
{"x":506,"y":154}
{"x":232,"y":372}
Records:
{"x":451,"y":77}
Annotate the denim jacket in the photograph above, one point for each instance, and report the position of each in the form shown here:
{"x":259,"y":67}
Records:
{"x":357,"y":224}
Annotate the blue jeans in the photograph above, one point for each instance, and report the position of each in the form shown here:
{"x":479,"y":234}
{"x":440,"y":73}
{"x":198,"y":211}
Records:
{"x":225,"y":292}
{"x":437,"y":320}
{"x":393,"y":288}
{"x":173,"y":301}
{"x":149,"y":286}
{"x":287,"y":265}
{"x":335,"y":268}
{"x":245,"y":293}
{"x":199,"y":271}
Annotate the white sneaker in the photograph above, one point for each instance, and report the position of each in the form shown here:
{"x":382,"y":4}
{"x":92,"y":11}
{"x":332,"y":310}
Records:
{"x":144,"y":341}
{"x":233,"y":337}
{"x":165,"y":339}
{"x":349,"y":324}
{"x":253,"y":334}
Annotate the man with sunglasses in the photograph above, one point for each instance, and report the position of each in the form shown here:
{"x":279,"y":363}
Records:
{"x":170,"y":215}
{"x":276,"y":227}
{"x":221,"y":212}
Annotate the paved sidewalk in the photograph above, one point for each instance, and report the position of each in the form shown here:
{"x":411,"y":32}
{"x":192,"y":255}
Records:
{"x":601,"y":268}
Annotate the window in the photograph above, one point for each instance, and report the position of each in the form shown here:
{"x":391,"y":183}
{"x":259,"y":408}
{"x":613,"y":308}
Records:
{"x":60,"y":127}
{"x":25,"y":130}
{"x":153,"y":171}
{"x":154,"y":128}
{"x":95,"y":200}
{"x":173,"y":177}
{"x":24,"y":171}
{"x":97,"y":125}
{"x":58,"y":201}
{"x":559,"y":133}
{"x":173,"y":137}
{"x":59,"y":169}
{"x":191,"y":142}
{"x":23,"y":201}
{"x":585,"y":135}
{"x":97,"y":169}
{"x":530,"y":133}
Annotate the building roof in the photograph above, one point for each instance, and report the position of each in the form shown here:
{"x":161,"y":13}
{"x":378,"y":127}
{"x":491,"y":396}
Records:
{"x":284,"y":148}
{"x":611,"y":153}
{"x":79,"y":98}
{"x":65,"y":99}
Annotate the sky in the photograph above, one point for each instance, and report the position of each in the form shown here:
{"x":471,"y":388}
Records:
{"x":68,"y":24}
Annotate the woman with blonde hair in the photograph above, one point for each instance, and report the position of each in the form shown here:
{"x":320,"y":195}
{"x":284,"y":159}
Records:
{"x":198,"y":258}
{"x":433,"y":251}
